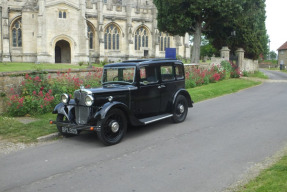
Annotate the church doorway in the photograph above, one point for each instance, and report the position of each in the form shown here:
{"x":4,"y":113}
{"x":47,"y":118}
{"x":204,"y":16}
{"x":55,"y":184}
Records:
{"x":62,"y":52}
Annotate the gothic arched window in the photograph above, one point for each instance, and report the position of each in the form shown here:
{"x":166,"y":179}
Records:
{"x":112,"y":37}
{"x":141,"y":38}
{"x":17,"y":33}
{"x":91,"y":36}
{"x":164,"y":41}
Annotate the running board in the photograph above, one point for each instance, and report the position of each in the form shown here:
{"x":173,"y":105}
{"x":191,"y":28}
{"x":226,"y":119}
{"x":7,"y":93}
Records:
{"x":155,"y":118}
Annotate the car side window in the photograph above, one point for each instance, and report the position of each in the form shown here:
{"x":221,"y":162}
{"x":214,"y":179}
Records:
{"x":148,"y":75}
{"x":179,"y":72}
{"x":167,"y":72}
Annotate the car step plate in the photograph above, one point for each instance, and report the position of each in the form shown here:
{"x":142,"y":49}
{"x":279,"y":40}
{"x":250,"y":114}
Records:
{"x":155,"y":118}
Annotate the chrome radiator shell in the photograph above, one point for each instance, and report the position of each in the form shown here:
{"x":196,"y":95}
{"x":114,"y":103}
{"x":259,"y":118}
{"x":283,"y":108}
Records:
{"x":82,"y":112}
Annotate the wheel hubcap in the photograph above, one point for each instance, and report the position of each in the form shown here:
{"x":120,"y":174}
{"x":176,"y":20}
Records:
{"x":181,"y":108}
{"x":115,"y":126}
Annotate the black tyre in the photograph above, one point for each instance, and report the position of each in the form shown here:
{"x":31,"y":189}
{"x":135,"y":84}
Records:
{"x":62,"y":118}
{"x":180,"y":109}
{"x":113,"y":127}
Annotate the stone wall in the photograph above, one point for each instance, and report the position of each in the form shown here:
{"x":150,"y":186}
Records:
{"x":250,"y":65}
{"x":282,"y":57}
{"x":217,"y":60}
{"x":244,"y":64}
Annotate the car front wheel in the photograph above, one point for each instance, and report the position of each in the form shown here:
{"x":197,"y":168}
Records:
{"x":113,"y":127}
{"x":180,"y":109}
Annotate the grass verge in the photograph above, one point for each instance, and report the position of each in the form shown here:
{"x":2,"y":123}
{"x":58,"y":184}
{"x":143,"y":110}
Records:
{"x":220,"y":88}
{"x":14,"y":131}
{"x":258,"y":74}
{"x":7,"y":67}
{"x":271,"y":179}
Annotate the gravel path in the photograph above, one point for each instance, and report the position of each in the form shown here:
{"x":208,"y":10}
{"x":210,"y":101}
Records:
{"x":7,"y":147}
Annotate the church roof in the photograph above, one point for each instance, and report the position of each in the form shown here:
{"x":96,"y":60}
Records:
{"x":283,"y":47}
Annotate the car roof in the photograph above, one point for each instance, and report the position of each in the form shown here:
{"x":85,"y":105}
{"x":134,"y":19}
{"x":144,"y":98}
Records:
{"x":142,"y":62}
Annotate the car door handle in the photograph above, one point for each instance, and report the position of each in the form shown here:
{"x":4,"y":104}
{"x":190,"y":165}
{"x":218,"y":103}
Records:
{"x":161,"y":86}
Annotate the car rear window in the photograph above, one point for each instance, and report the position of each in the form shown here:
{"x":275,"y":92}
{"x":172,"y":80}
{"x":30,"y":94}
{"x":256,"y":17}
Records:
{"x":179,"y":72}
{"x":167,"y":72}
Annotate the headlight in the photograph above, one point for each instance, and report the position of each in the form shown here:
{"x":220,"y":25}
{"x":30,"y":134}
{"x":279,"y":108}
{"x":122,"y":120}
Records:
{"x":89,"y":100}
{"x":65,"y":98}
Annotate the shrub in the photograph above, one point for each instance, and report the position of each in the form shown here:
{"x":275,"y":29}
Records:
{"x":235,"y":71}
{"x":39,"y":94}
{"x":197,"y":77}
{"x":104,"y":62}
{"x":245,"y":73}
{"x":226,"y":66}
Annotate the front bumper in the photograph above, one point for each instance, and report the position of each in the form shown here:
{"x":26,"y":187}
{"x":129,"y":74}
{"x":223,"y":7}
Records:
{"x":77,"y":127}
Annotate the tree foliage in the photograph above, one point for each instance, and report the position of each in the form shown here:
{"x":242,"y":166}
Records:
{"x":273,"y":55}
{"x":250,"y":30}
{"x":193,"y":16}
{"x":216,"y":19}
{"x":206,"y":48}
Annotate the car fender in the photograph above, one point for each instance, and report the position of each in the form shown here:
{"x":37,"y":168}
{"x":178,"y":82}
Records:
{"x":101,"y":114}
{"x":184,"y":93}
{"x":60,"y":109}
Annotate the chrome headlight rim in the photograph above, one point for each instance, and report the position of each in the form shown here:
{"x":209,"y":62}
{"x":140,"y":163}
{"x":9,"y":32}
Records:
{"x":89,"y":100}
{"x":65,"y":98}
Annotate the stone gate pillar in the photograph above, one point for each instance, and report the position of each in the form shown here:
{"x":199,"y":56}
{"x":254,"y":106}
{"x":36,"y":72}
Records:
{"x":240,"y":54}
{"x":224,"y":53}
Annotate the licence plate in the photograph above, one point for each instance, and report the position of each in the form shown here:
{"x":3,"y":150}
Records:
{"x":69,"y":130}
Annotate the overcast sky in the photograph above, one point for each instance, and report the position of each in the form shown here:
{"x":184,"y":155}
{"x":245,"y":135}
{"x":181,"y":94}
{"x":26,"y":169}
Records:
{"x":276,"y":23}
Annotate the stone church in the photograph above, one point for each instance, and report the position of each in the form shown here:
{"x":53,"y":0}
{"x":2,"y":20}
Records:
{"x":73,"y":31}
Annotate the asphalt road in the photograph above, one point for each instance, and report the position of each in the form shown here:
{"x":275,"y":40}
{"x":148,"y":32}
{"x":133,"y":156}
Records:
{"x":220,"y":140}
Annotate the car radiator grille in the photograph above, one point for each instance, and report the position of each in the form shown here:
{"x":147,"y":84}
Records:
{"x":82,"y":112}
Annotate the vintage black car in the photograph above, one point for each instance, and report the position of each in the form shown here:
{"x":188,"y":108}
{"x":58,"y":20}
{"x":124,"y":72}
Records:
{"x":134,"y":92}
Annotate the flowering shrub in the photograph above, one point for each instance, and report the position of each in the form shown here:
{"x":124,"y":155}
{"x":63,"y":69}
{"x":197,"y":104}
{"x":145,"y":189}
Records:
{"x":235,"y":71}
{"x":197,"y":77}
{"x":39,"y":94}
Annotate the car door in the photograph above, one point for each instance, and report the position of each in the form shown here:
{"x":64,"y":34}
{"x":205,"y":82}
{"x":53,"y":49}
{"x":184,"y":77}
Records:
{"x":148,"y":96}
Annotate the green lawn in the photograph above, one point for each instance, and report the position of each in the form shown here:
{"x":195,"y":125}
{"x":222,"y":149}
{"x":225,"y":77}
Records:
{"x":9,"y":67}
{"x":258,"y":74}
{"x":273,"y":179}
{"x":220,"y":88}
{"x":15,"y":131}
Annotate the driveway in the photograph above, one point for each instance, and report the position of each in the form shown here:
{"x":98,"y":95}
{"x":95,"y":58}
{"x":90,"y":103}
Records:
{"x":221,"y":141}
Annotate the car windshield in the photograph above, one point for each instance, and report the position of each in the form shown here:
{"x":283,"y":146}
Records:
{"x":118,"y":75}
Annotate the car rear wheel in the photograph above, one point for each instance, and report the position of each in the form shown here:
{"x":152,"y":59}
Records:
{"x":113,"y":127}
{"x":180,"y":109}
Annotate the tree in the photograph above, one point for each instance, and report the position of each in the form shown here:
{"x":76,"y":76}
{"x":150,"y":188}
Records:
{"x":250,"y":30}
{"x":206,"y":48}
{"x":194,"y":17}
{"x":273,"y":55}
